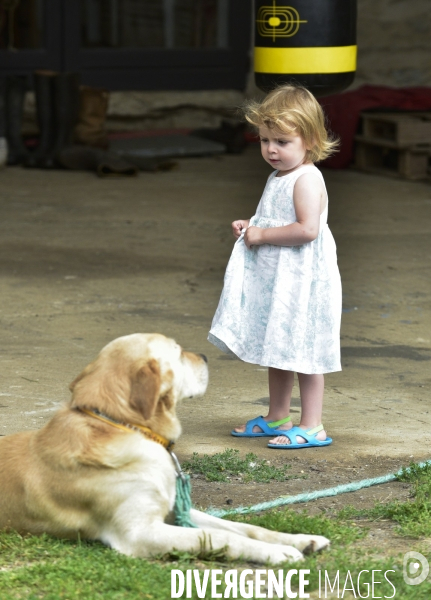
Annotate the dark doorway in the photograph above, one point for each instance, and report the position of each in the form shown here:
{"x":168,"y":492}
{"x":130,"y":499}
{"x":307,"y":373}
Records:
{"x":131,"y":44}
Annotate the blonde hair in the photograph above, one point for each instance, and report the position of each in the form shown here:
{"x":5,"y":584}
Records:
{"x":293,"y":109}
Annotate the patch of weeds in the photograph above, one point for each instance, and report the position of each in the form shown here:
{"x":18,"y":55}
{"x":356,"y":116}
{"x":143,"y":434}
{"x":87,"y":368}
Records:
{"x":413,"y":517}
{"x":225,"y":465}
{"x":418,"y":475}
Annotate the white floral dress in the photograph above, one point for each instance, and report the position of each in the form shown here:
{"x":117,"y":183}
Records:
{"x":281,"y":305}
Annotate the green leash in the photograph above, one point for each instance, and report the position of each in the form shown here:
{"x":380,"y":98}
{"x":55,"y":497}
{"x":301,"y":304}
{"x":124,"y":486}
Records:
{"x":183,"y":501}
{"x":307,"y":497}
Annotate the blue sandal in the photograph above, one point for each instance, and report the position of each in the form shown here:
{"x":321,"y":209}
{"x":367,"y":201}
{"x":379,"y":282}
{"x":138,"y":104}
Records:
{"x":269,"y":429}
{"x":309,"y":437}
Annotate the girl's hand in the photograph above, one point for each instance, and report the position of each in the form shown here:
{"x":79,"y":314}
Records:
{"x":238,"y":226}
{"x":253,"y":236}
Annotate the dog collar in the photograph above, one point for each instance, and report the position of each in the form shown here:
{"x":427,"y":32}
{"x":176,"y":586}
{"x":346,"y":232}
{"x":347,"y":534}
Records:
{"x":183,"y":502}
{"x":129,"y":427}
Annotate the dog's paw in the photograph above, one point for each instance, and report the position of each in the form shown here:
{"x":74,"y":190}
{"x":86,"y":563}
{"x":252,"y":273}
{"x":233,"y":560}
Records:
{"x":311,"y":543}
{"x":280,"y":554}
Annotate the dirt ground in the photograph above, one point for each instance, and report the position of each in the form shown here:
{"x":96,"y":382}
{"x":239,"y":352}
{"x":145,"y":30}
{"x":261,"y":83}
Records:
{"x":85,"y":260}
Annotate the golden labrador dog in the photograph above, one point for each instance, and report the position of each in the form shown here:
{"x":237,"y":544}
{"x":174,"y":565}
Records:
{"x":101,"y":468}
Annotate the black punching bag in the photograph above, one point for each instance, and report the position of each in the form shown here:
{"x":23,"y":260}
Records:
{"x":308,"y":42}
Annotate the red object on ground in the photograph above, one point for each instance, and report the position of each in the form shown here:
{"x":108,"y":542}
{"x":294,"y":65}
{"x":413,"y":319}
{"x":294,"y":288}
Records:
{"x":343,"y":113}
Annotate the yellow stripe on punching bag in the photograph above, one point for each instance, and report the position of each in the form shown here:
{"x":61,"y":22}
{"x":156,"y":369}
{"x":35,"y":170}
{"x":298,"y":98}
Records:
{"x":336,"y":59}
{"x":305,"y":42}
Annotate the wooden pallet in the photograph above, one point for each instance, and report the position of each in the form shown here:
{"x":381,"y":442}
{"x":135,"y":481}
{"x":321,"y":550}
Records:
{"x":402,"y":128}
{"x":387,"y":158}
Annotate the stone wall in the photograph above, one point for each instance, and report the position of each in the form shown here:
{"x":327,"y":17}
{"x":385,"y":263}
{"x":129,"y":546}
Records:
{"x":133,"y":110}
{"x":169,"y":110}
{"x":394,"y":42}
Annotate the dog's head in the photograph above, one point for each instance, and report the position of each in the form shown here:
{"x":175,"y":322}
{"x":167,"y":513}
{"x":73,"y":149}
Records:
{"x":139,"y":378}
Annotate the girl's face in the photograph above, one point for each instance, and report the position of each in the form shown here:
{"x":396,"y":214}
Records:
{"x":283,"y":151}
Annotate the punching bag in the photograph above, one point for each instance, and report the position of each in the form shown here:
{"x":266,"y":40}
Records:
{"x":308,"y":42}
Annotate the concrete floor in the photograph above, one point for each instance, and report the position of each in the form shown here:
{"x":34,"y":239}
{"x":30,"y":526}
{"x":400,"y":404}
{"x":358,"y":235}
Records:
{"x":84,"y":260}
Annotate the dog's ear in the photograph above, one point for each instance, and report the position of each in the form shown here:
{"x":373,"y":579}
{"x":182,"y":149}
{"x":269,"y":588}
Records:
{"x":88,"y":369}
{"x":145,"y":389}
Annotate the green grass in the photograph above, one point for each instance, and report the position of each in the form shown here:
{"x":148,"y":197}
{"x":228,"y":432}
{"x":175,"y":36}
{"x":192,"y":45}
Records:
{"x":288,"y":521}
{"x":41,"y":567}
{"x":33,"y":568}
{"x":228,"y":464}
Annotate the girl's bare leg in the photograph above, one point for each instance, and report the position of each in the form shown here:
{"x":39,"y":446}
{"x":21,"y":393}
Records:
{"x":311,"y":388}
{"x":280,"y":394}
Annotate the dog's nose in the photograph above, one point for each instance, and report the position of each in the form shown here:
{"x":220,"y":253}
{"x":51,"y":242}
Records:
{"x":204,"y":357}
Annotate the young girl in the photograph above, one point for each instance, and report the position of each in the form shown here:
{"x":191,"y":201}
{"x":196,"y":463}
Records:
{"x":281,"y":302}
